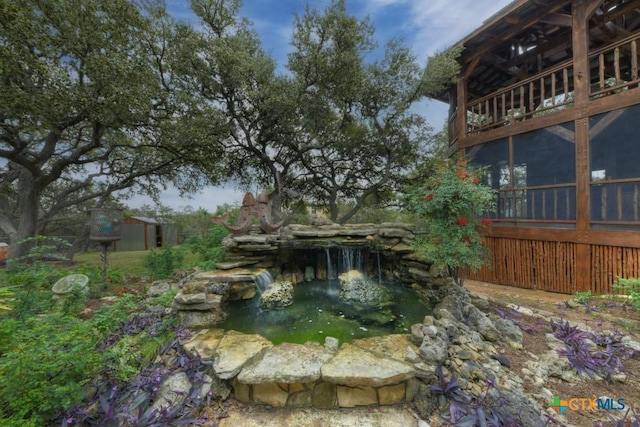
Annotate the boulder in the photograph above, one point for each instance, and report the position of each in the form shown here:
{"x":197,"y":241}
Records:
{"x":277,"y":295}
{"x":357,"y":288}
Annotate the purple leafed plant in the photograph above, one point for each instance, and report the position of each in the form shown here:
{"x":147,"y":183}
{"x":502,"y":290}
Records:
{"x":131,"y":403}
{"x":592,"y":353}
{"x":467,"y":410}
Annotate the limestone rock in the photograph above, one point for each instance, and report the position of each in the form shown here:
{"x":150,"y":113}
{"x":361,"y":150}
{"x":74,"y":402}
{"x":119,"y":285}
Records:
{"x":286,"y":363}
{"x":481,"y":322}
{"x":391,"y":346}
{"x":434,"y":349}
{"x":354,"y":366}
{"x":172,"y":392}
{"x":205,"y":343}
{"x":190,"y":298}
{"x":277,"y":295}
{"x":509,"y":331}
{"x":234,"y":351}
{"x":356,"y":287}
{"x":200,"y":319}
{"x":158,"y":288}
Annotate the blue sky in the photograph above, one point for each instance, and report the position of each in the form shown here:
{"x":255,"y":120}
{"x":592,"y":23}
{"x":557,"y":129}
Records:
{"x":426,"y":26}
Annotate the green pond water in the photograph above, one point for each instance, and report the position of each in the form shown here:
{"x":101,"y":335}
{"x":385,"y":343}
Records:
{"x":317,"y":312}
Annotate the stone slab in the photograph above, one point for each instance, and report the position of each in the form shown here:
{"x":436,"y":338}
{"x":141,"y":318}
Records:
{"x":286,"y":363}
{"x":354,"y":366}
{"x":391,"y":346}
{"x":205,"y":343}
{"x":236,"y":350}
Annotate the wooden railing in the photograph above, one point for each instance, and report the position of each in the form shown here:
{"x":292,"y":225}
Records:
{"x":549,"y":203}
{"x":537,"y":95}
{"x":614,"y":68}
{"x":617,"y":67}
{"x":616,"y":202}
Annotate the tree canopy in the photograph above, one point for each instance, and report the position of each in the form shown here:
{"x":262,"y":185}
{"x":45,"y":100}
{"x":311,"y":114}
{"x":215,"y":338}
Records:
{"x":101,"y":96}
{"x":90,"y":106}
{"x":335,"y":127}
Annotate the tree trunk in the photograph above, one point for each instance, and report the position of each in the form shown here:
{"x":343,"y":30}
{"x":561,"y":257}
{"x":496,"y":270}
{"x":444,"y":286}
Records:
{"x":28,"y":220}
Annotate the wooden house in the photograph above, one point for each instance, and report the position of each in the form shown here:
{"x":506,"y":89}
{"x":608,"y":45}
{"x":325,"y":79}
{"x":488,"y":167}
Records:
{"x":548,"y":101}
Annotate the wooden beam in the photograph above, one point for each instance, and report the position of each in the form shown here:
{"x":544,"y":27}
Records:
{"x":592,"y":6}
{"x":496,"y":40}
{"x":560,"y":19}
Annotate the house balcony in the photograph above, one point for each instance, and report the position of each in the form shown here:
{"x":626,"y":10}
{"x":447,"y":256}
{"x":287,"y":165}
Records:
{"x":613,"y":71}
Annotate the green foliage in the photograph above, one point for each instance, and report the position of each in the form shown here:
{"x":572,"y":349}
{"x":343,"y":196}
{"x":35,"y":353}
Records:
{"x":630,"y":287}
{"x":163,"y":262}
{"x":46,"y":362}
{"x":442,"y":70}
{"x":107,"y":318}
{"x":40,"y":248}
{"x":48,"y":357}
{"x":32,"y":287}
{"x":6,"y":296}
{"x":583,"y":297}
{"x":449,"y":208}
{"x":165,"y":299}
{"x":208,"y":247}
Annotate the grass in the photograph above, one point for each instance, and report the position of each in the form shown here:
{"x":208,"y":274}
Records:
{"x":128,"y":263}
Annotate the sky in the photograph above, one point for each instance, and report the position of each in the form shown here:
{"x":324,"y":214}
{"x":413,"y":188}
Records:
{"x":426,"y":26}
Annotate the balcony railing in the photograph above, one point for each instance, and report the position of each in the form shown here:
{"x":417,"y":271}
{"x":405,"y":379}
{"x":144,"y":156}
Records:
{"x":535,"y":96}
{"x":614,"y":69}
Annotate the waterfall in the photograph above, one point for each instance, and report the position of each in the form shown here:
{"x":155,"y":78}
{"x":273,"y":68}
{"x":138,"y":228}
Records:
{"x":351,"y":259}
{"x":330,"y":273}
{"x":379,"y":269}
{"x":262,"y":281}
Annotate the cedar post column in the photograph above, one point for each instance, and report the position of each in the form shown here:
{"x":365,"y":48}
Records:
{"x":581,"y":85}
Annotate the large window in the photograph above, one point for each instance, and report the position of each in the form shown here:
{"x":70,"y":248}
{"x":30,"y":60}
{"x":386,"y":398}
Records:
{"x":615,"y":169}
{"x":538,"y":184}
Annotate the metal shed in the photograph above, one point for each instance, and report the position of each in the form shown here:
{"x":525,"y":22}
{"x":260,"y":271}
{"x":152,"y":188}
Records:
{"x":141,"y":233}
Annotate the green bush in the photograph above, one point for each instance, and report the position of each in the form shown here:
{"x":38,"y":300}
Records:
{"x":32,"y":287}
{"x":631,"y":288}
{"x":449,"y":209}
{"x":163,"y":262}
{"x":583,"y":297}
{"x":48,"y":355}
{"x":208,"y":247}
{"x":46,"y":362}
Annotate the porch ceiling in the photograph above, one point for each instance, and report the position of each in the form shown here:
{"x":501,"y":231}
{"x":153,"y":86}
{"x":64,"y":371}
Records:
{"x":529,"y":36}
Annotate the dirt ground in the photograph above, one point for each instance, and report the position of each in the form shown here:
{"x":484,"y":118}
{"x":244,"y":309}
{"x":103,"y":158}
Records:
{"x":598,"y":313}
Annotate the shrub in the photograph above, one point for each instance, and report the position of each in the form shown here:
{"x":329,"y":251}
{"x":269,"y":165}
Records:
{"x":592,"y":353}
{"x":630,"y":287}
{"x":209,"y":247}
{"x":162,"y":263}
{"x":449,"y":209}
{"x":45,"y":365}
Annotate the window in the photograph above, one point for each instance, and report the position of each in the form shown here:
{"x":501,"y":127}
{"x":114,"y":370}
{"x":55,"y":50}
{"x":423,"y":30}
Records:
{"x":615,"y":169}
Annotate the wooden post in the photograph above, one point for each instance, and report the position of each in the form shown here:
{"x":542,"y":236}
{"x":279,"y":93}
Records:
{"x":581,"y":86}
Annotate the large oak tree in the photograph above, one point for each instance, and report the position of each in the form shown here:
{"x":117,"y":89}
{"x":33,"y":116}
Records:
{"x":90,"y":105}
{"x":336,"y":127}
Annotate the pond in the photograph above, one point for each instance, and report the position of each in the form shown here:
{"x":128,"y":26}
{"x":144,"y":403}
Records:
{"x":317,"y":312}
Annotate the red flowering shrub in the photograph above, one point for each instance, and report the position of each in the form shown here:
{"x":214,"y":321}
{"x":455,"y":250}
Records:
{"x":449,"y":208}
{"x":462,"y":221}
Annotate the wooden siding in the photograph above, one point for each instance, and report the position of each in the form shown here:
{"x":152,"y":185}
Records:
{"x":551,"y":266}
{"x":609,"y":263}
{"x":531,"y":264}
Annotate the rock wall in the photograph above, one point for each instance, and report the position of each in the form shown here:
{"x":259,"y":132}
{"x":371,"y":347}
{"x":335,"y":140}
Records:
{"x":298,"y":250}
